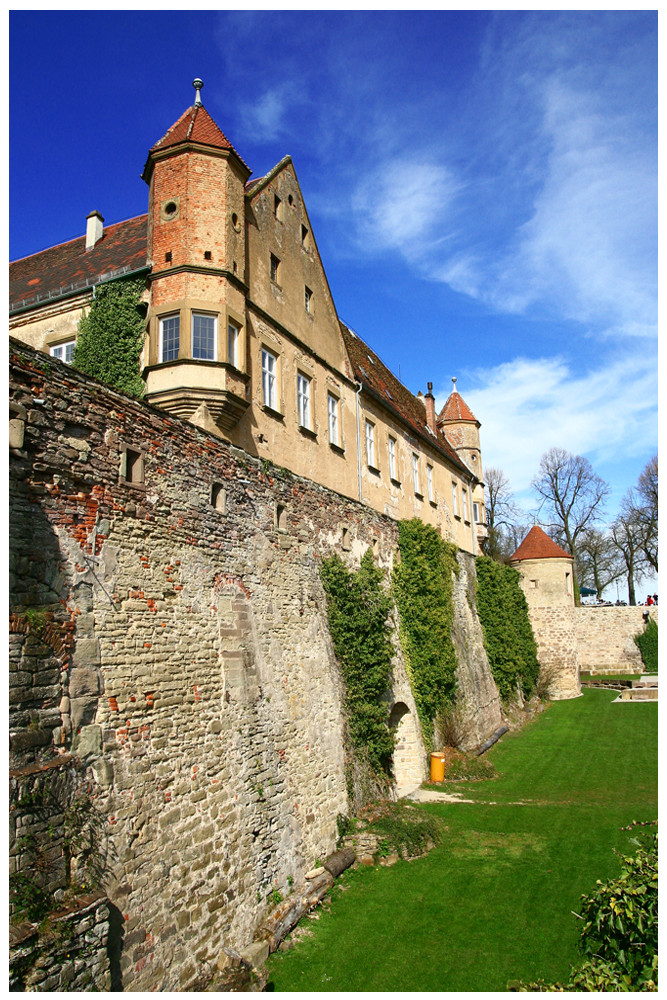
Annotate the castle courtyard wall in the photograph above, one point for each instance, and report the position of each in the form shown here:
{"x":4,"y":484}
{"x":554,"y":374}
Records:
{"x":185,"y":663}
{"x":605,"y":638}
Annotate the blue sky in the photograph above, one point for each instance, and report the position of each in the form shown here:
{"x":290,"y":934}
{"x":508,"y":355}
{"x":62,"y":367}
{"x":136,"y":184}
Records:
{"x":482,"y":187}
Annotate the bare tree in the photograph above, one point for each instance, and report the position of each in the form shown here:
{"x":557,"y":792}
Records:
{"x":571,"y":496}
{"x":628,"y":535}
{"x":501,"y":514}
{"x":644,"y":505}
{"x":600,"y":562}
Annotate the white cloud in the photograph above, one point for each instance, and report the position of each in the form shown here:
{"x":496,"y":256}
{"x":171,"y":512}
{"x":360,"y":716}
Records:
{"x":268,"y":112}
{"x":528,"y":406}
{"x":403,"y":204}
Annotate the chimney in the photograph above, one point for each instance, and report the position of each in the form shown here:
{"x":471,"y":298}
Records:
{"x":429,"y":402}
{"x":94,"y":229}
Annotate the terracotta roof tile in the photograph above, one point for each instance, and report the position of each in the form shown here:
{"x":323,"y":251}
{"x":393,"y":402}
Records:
{"x":538,"y":545}
{"x":195,"y":125}
{"x":456,"y":408}
{"x":69,"y":267}
{"x":383,"y":384}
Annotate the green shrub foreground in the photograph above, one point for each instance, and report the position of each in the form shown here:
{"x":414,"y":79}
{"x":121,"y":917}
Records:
{"x":620,"y":933}
{"x":493,"y":902}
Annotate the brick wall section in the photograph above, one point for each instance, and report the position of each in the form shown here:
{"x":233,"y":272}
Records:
{"x":605,"y":638}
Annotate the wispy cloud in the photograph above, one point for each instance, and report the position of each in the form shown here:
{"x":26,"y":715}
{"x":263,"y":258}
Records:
{"x":528,"y":406}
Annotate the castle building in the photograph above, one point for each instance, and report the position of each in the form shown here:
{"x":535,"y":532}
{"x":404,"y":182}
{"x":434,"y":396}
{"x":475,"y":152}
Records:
{"x":243,"y":337}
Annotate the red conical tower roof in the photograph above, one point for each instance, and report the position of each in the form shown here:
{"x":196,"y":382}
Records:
{"x":538,"y":545}
{"x":194,"y":125}
{"x":456,"y":409}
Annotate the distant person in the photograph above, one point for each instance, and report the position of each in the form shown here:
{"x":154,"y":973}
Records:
{"x":649,"y":600}
{"x":655,"y":598}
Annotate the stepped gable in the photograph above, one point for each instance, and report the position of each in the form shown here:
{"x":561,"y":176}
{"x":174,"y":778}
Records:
{"x":456,"y":408}
{"x":538,"y":545}
{"x":381,"y":383}
{"x":194,"y":125}
{"x":69,"y":266}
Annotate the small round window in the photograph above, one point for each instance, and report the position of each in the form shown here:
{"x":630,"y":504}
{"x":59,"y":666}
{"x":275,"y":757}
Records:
{"x":169,"y":209}
{"x":235,"y":222}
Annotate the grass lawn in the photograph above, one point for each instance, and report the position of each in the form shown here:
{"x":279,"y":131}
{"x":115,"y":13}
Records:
{"x":492,"y":903}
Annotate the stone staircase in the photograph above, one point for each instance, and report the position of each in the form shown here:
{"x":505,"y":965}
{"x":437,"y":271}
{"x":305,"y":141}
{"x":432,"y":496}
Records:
{"x":645,"y":689}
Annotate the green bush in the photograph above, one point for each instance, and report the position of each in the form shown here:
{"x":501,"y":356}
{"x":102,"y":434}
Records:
{"x":647,"y":642}
{"x":358,"y":610}
{"x":111,"y":335}
{"x":508,"y":635}
{"x":620,"y":933}
{"x":423,"y":587}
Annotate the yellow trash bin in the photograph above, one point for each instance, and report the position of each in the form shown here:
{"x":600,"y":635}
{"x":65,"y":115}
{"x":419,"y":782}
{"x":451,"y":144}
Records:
{"x":437,"y":767}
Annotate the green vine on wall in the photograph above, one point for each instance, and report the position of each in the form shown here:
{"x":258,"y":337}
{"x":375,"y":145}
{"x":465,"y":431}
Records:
{"x":423,"y":587}
{"x":647,"y":643}
{"x":358,"y":609}
{"x":508,"y":635}
{"x":111,"y":335}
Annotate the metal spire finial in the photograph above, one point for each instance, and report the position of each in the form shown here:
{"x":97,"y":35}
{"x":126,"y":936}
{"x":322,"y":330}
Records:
{"x":198,"y":84}
{"x":454,"y":389}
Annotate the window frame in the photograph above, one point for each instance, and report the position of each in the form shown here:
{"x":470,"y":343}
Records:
{"x":233,"y":347}
{"x":270,"y":380}
{"x":196,"y":314}
{"x":393,"y":464}
{"x":308,"y":299}
{"x":464,"y":505}
{"x":63,"y":346}
{"x":455,"y":499}
{"x":369,"y":426}
{"x":416,"y":480}
{"x":429,"y":483}
{"x":168,"y":317}
{"x":274,"y":269}
{"x":333,"y":412}
{"x":304,"y":400}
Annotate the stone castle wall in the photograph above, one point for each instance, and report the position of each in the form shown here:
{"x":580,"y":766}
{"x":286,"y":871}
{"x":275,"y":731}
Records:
{"x":188,"y":664}
{"x":605,"y":638}
{"x":557,"y":650}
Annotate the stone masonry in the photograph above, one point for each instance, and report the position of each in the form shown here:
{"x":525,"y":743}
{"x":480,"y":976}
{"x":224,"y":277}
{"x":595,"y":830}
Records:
{"x":605,"y":638}
{"x":177,"y":580}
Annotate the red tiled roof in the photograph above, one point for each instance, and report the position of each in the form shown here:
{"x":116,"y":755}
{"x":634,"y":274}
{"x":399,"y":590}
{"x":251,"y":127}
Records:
{"x":195,"y":125}
{"x":376,"y":377}
{"x":69,"y":266}
{"x":538,"y":545}
{"x":456,"y":408}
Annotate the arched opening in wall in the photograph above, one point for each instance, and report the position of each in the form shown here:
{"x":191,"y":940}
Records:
{"x":407,"y":767}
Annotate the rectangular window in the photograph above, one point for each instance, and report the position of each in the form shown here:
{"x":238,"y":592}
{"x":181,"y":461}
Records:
{"x":170,"y":336}
{"x":308,"y":298}
{"x":269,"y":390}
{"x":455,"y":499}
{"x":393,"y":472}
{"x":304,"y":235}
{"x":332,"y":407}
{"x":303,"y":399}
{"x":233,"y":344}
{"x":475,"y":512}
{"x":415,"y":473}
{"x":275,"y":269}
{"x":370,"y":444}
{"x":64,"y":352}
{"x":204,"y":335}
{"x":464,"y":495}
{"x":277,"y":210}
{"x":429,"y":482}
